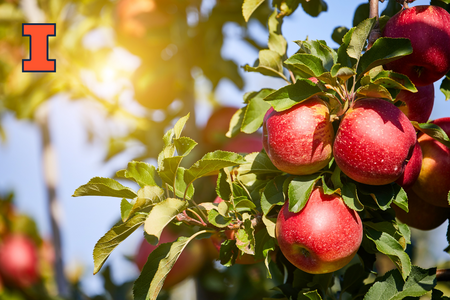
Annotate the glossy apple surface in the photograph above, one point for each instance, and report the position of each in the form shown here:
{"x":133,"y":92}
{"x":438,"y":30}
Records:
{"x":19,"y":261}
{"x":374,"y":142}
{"x":421,"y":214}
{"x":323,"y":237}
{"x":428,"y":30}
{"x":188,"y":264}
{"x":412,"y":168}
{"x":433,"y":183}
{"x":418,"y":105}
{"x":299,"y":140}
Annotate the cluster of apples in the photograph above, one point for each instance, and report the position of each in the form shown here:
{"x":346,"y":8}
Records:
{"x":375,"y":144}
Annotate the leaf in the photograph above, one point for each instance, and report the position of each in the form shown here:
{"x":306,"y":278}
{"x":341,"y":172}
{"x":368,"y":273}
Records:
{"x":373,"y":91}
{"x":359,"y":37}
{"x":270,"y":225}
{"x":338,"y":34}
{"x":113,"y":238}
{"x":434,"y":131}
{"x":383,"y":195}
{"x":258,"y":163}
{"x":147,"y":196}
{"x":353,"y":278}
{"x":224,"y":187}
{"x":168,"y":168}
{"x":249,"y":6}
{"x":299,"y":191}
{"x":307,"y":63}
{"x":161,"y":215}
{"x":388,"y":245}
{"x":158,"y":265}
{"x":269,"y":64}
{"x":255,"y":112}
{"x":392,"y":80}
{"x":245,"y":238}
{"x":319,"y":49}
{"x":184,"y":145}
{"x":236,"y":122}
{"x":350,"y":196}
{"x":179,"y":126}
{"x":210,"y":162}
{"x":273,"y":194}
{"x":125,"y":209}
{"x":181,"y":185}
{"x":314,"y":7}
{"x":445,"y":88}
{"x":215,"y":218}
{"x":141,"y":172}
{"x":290,"y":95}
{"x":383,"y":51}
{"x":277,"y":42}
{"x":313,"y":295}
{"x":401,"y":200}
{"x":99,"y":186}
{"x":343,"y":73}
{"x":343,"y":58}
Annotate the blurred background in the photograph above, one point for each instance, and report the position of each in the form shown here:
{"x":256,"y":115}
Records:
{"x":125,"y":71}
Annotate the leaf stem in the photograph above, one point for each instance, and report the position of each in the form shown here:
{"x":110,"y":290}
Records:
{"x":198,"y":216}
{"x":292,"y":77}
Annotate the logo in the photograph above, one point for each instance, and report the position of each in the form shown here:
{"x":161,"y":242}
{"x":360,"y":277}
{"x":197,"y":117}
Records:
{"x":39,"y":34}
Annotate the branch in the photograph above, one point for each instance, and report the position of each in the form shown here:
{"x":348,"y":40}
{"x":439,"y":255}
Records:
{"x":443,"y":275}
{"x":373,"y":13}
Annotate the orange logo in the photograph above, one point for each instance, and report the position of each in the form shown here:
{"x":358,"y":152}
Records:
{"x":39,"y":61}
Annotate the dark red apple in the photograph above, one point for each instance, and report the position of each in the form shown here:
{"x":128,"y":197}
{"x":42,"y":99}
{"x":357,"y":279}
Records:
{"x":323,"y":237}
{"x":418,"y":105}
{"x":188,"y":264}
{"x":374,"y":142}
{"x":421,"y":214}
{"x":433,"y":183}
{"x":427,"y":27}
{"x":299,"y":140}
{"x":19,"y":264}
{"x":244,"y":144}
{"x":217,"y":126}
{"x":412,"y":169}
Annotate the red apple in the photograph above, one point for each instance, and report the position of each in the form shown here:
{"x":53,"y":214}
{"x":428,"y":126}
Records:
{"x":418,"y":105}
{"x":412,"y":169}
{"x":217,"y":126}
{"x":244,"y":144}
{"x":433,"y":183}
{"x":19,"y":261}
{"x":427,"y":27}
{"x":323,"y":237}
{"x":374,"y":142}
{"x":421,"y":214}
{"x":188,"y":264}
{"x":299,"y":140}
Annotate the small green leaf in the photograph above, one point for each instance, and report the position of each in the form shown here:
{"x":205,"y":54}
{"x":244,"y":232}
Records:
{"x":290,"y":95}
{"x":383,"y":195}
{"x":373,"y":91}
{"x":249,"y":6}
{"x":108,"y":187}
{"x":243,"y":204}
{"x":445,"y":87}
{"x":343,"y":73}
{"x":236,"y":122}
{"x":319,"y":49}
{"x":314,"y":7}
{"x":218,"y":220}
{"x":338,"y":34}
{"x":299,"y":191}
{"x":277,"y":42}
{"x":336,"y":178}
{"x":359,"y":38}
{"x":434,"y":131}
{"x":273,"y":194}
{"x":256,"y":109}
{"x":125,"y":209}
{"x":224,"y":187}
{"x":228,"y":253}
{"x":141,"y":172}
{"x":269,"y":64}
{"x":353,"y":278}
{"x":113,"y":238}
{"x":168,"y":168}
{"x":327,"y":190}
{"x":161,"y":215}
{"x":184,"y":145}
{"x":245,"y":238}
{"x":312,"y":295}
{"x":401,"y":200}
{"x":258,"y":163}
{"x":350,"y":196}
{"x":179,"y":126}
{"x":307,"y":63}
{"x":147,"y":196}
{"x":181,"y":185}
{"x":270,"y":225}
{"x":343,"y":58}
{"x":392,"y":80}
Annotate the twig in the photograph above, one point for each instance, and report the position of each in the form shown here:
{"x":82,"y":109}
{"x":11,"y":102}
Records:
{"x":443,"y":275}
{"x":373,"y":13}
{"x":292,"y":77}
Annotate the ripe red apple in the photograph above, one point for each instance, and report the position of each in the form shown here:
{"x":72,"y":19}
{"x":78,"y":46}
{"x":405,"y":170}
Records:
{"x":299,"y":140}
{"x":412,"y":168}
{"x":323,"y":237}
{"x":374,"y":142}
{"x":244,"y":144}
{"x":418,"y":105}
{"x":433,"y":183}
{"x":421,"y":214}
{"x":217,"y":126}
{"x":188,"y":264}
{"x":19,"y":261}
{"x":427,"y":27}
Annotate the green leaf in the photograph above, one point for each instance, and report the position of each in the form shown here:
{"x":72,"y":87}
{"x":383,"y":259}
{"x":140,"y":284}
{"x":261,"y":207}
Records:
{"x":314,"y":7}
{"x":243,"y":204}
{"x":353,"y":278}
{"x":361,"y":13}
{"x":273,"y":194}
{"x":277,"y":42}
{"x":307,"y":63}
{"x":383,"y":195}
{"x":336,"y":178}
{"x":401,"y":200}
{"x":392,"y":80}
{"x":350,"y":196}
{"x":434,"y":131}
{"x":269,"y":64}
{"x":108,"y":187}
{"x":343,"y":58}
{"x":373,"y":91}
{"x":312,"y":295}
{"x":388,"y":245}
{"x":168,"y":168}
{"x":299,"y":191}
{"x":184,"y":145}
{"x":270,"y":225}
{"x":245,"y":238}
{"x":224,"y":187}
{"x":445,"y":87}
{"x":215,"y":218}
{"x":290,"y":95}
{"x":256,"y":109}
{"x":161,"y":215}
{"x":327,"y":190}
{"x":249,"y":6}
{"x":179,"y":126}
{"x":125,"y":209}
{"x":236,"y":122}
{"x":343,"y":73}
{"x":159,"y":264}
{"x":258,"y":163}
{"x":181,"y":185}
{"x":228,"y":253}
{"x":319,"y":49}
{"x":359,"y":38}
{"x":147,"y":196}
{"x":338,"y":34}
{"x":113,"y":238}
{"x":141,"y":172}
{"x":211,"y":162}
{"x":383,"y":51}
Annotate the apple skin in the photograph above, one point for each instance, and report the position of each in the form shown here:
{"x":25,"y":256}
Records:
{"x":421,"y":214}
{"x":323,"y":237}
{"x":188,"y":264}
{"x":373,"y":142}
{"x":418,"y":105}
{"x":427,"y":28}
{"x":19,"y":261}
{"x":299,"y":140}
{"x":433,"y":183}
{"x":412,"y":168}
{"x":244,"y":144}
{"x":217,"y":126}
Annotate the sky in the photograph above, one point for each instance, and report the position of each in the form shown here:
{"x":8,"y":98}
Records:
{"x":86,"y":219}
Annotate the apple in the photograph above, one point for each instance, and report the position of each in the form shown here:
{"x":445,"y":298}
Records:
{"x":374,"y":142}
{"x":188,"y":264}
{"x":19,"y":261}
{"x":427,"y":27}
{"x":217,"y":126}
{"x":421,"y":215}
{"x":433,"y":183}
{"x":323,"y":237}
{"x":418,"y":105}
{"x":244,"y":144}
{"x":412,"y":168}
{"x":299,"y":140}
